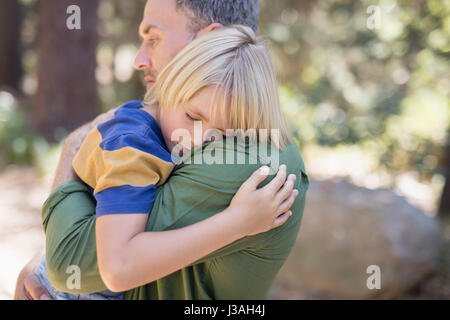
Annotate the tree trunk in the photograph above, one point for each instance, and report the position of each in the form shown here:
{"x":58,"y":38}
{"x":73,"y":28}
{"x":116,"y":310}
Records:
{"x":10,"y":62}
{"x":67,"y":88}
{"x":444,"y":205}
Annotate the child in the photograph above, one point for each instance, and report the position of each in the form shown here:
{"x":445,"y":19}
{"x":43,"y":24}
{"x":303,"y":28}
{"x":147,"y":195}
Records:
{"x":223,"y":79}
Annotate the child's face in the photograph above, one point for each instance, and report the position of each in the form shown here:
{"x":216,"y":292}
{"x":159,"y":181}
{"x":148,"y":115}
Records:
{"x":185,"y":115}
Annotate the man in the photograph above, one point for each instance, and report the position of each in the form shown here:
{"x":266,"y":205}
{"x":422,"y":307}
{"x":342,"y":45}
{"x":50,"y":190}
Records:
{"x":244,"y":269}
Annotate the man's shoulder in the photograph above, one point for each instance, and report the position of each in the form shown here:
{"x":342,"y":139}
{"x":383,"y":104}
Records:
{"x":230,"y":162}
{"x":132,"y":104}
{"x":292,"y":156}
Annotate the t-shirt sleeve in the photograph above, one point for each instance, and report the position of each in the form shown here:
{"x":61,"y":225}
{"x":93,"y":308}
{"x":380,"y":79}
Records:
{"x":123,"y":171}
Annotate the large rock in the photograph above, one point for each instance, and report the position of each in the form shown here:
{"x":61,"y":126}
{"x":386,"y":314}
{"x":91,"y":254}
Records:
{"x":346,"y":229}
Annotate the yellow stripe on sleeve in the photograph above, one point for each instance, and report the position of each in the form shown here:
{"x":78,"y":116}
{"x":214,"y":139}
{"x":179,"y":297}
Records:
{"x":84,"y":162}
{"x":131,"y":166}
{"x":102,"y":169}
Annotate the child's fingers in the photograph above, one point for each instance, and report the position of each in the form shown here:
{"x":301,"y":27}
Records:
{"x":281,"y":219}
{"x":257,"y":177}
{"x":287,"y":204}
{"x":286,"y":190}
{"x":276,"y":183}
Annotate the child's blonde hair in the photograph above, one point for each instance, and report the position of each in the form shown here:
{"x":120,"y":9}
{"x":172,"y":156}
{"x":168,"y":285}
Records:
{"x":239,"y":66}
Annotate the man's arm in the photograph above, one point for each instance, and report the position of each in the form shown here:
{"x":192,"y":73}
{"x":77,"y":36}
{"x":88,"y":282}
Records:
{"x":68,"y":217}
{"x":27,"y":286}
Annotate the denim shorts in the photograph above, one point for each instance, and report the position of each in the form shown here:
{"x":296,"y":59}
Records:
{"x":41,"y":273}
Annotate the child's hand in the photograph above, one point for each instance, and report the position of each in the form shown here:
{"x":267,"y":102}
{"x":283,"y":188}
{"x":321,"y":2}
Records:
{"x":260,"y":210}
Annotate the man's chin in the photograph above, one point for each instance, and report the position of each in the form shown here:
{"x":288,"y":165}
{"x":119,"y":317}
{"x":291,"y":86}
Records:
{"x":149,"y":85}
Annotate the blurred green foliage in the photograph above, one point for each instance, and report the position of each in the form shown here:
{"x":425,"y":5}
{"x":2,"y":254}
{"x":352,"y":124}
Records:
{"x":345,"y":81}
{"x":15,"y":140}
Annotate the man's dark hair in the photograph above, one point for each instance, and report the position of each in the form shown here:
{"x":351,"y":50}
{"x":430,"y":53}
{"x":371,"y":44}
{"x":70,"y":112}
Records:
{"x":202,"y":13}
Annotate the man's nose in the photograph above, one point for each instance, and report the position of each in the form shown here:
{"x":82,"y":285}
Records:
{"x":142,"y":60}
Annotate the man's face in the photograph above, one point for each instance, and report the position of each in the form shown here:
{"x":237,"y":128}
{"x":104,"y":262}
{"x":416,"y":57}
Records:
{"x":164,"y":33}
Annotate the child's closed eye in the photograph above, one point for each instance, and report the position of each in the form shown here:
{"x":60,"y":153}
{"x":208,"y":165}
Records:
{"x":191,"y":118}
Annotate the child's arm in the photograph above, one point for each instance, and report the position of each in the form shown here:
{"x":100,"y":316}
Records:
{"x":129,"y":257}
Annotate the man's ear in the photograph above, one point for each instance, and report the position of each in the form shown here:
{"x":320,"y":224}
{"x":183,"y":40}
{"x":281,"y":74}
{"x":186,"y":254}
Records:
{"x":211,"y":27}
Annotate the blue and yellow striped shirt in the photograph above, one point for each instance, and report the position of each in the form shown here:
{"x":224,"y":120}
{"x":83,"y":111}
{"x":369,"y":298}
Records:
{"x":123,"y":160}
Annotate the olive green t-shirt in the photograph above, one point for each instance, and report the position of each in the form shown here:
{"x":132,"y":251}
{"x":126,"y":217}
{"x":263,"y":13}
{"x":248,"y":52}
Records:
{"x":244,"y":269}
